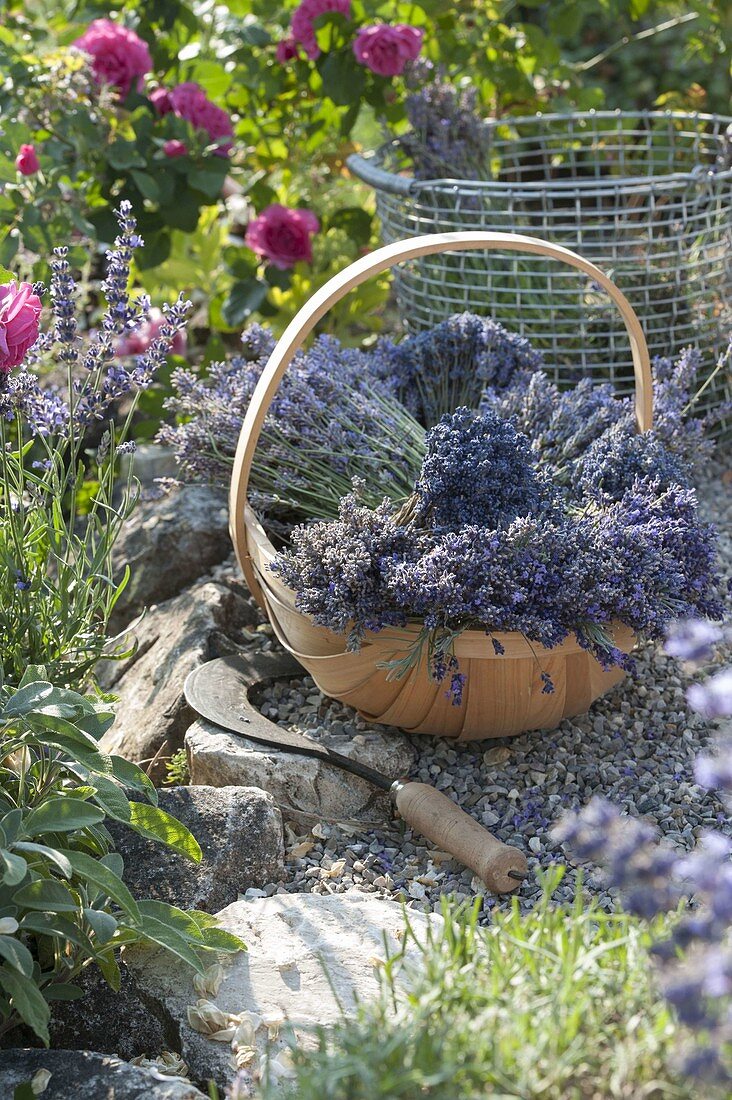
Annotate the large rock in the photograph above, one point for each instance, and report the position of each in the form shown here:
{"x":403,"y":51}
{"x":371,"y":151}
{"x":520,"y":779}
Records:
{"x":303,"y":784}
{"x":168,"y":544}
{"x":240,"y":833}
{"x":310,"y":957}
{"x":121,"y":1022}
{"x":83,"y":1075}
{"x":202,"y":623}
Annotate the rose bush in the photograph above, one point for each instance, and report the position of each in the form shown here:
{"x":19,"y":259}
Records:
{"x":150,"y":97}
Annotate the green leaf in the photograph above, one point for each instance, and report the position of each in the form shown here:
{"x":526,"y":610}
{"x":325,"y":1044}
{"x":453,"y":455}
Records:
{"x":208,"y":179}
{"x":27,"y":1000}
{"x":10,"y":824}
{"x":146,"y":185}
{"x":343,"y":78}
{"x":63,"y":991}
{"x":111,"y":798}
{"x":94,"y":871}
{"x":51,"y":854}
{"x":124,"y":154}
{"x":26,"y":699}
{"x":62,"y":815}
{"x":156,"y":250}
{"x":13,"y":869}
{"x":242,"y":300}
{"x":32,"y":674}
{"x":355,"y":221}
{"x":134,"y":777}
{"x":57,"y":927}
{"x":103,"y":924}
{"x":47,"y":895}
{"x":17,"y":955}
{"x":155,"y":823}
{"x":24,"y":1091}
{"x":107,"y":963}
{"x":169,"y":938}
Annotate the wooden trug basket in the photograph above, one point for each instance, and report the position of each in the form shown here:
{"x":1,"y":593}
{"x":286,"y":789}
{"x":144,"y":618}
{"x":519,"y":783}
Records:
{"x":503,"y":693}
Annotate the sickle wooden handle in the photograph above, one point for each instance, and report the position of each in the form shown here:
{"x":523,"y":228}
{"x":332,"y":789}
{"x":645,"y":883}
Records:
{"x":435,"y":816}
{"x":383,"y":258}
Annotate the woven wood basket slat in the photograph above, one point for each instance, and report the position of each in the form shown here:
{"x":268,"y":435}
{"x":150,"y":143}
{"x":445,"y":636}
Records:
{"x":503,"y":693}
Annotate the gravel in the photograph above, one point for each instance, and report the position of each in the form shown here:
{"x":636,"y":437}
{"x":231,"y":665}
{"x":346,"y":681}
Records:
{"x":636,"y":746}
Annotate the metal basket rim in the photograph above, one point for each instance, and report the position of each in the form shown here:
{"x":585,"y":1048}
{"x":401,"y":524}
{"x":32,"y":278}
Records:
{"x":382,"y":179}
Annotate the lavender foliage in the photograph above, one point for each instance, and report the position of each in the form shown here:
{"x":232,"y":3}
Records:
{"x":330,"y":421}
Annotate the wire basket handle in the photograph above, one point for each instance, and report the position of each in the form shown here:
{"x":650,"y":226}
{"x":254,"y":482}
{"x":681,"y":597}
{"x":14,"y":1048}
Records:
{"x":356,"y":273}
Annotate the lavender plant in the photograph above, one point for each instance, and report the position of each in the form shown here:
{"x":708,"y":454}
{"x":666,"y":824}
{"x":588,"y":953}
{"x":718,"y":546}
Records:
{"x":59,"y":511}
{"x":331,"y":420}
{"x":695,"y":962}
{"x":485,"y":542}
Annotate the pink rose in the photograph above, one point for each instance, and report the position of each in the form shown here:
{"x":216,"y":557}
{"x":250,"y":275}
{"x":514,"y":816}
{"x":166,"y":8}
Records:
{"x":283,"y":236}
{"x":139,"y":340}
{"x":20,"y":310}
{"x":304,"y":16}
{"x":174,"y":148}
{"x":286,"y":50}
{"x":385,"y":49}
{"x":160,"y":99}
{"x":189,"y":101}
{"x":27,"y":161}
{"x":119,"y":56}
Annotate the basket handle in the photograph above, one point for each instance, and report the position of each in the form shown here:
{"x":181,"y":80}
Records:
{"x":356,"y":273}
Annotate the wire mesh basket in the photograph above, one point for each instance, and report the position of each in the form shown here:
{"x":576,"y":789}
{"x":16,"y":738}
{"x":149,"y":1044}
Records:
{"x":645,"y":195}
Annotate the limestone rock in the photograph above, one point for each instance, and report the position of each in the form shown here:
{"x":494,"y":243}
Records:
{"x":239,"y":830}
{"x":304,"y":784}
{"x":310,"y":956}
{"x":200,"y":624}
{"x":84,"y":1075}
{"x":168,"y":544}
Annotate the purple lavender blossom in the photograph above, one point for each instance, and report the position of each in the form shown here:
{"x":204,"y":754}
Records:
{"x":449,"y":365}
{"x":477,"y":470}
{"x":448,"y":138}
{"x":562,"y":424}
{"x":692,"y":639}
{"x":611,"y":464}
{"x":713,"y":698}
{"x":330,"y":421}
{"x":97,"y":378}
{"x":696,"y":962}
{"x":714,"y":771}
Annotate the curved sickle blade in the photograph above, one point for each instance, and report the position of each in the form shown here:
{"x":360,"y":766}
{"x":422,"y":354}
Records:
{"x":219,"y":692}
